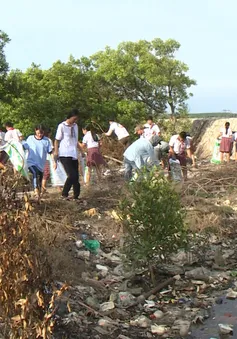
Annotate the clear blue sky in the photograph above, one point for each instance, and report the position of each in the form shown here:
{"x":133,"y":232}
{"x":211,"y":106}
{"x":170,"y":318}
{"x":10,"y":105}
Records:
{"x":47,"y":30}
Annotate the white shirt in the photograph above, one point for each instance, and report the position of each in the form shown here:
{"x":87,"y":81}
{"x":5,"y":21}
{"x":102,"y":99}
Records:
{"x":151,"y":130}
{"x":68,"y":137}
{"x":118,"y":129}
{"x":89,"y":141}
{"x":176,"y":144}
{"x":13,"y":134}
{"x":224,"y":134}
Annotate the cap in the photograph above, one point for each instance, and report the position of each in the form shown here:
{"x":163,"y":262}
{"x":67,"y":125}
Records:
{"x":138,"y":128}
{"x":155,"y":139}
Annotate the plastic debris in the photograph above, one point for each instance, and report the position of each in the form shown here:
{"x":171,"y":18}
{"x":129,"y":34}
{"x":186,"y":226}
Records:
{"x":103,"y":269}
{"x":92,"y":245}
{"x":225,"y":329}
{"x":231,"y":294}
{"x":159,"y":329}
{"x":107,"y":306}
{"x":125,"y":299}
{"x":141,"y":321}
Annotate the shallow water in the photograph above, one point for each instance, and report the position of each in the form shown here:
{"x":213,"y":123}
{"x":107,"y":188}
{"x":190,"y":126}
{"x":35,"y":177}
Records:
{"x":225,"y":313}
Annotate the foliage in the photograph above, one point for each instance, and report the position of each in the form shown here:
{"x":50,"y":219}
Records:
{"x":27,"y":307}
{"x":4,"y":39}
{"x":153,"y":218}
{"x":127,"y":83}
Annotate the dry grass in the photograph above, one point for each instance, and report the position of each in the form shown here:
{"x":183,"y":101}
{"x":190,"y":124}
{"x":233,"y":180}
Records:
{"x":210,"y":200}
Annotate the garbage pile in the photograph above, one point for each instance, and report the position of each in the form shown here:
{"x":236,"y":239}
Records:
{"x":115,"y":302}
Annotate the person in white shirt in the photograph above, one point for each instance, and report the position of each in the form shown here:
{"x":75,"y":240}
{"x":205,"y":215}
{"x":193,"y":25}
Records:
{"x":120,"y":131}
{"x":226,"y":142}
{"x":150,"y":128}
{"x":94,"y":157}
{"x":178,"y":146}
{"x":3,"y":154}
{"x":65,"y":149}
{"x":12,"y":133}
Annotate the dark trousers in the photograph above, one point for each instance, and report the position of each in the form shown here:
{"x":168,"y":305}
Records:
{"x":71,"y":168}
{"x":125,"y":142}
{"x":37,"y":177}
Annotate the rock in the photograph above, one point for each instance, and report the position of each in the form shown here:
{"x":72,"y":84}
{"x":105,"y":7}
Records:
{"x":159,"y":329}
{"x":119,"y":270}
{"x":199,"y":273}
{"x":231,"y":294}
{"x":79,"y":244}
{"x":83,"y":254}
{"x":184,"y":258}
{"x":103,"y":269}
{"x":105,"y":322}
{"x":225,"y":329}
{"x":93,"y":302}
{"x":170,"y":269}
{"x":125,"y":299}
{"x":107,"y":306}
{"x":182,"y":326}
{"x":228,"y":253}
{"x":135,"y":291}
{"x":141,"y":321}
{"x":158,"y":314}
{"x":219,"y":301}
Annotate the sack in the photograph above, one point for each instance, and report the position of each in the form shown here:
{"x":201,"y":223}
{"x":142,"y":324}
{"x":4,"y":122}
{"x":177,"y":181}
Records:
{"x":17,"y":156}
{"x":58,"y":176}
{"x":216,"y":157}
{"x":175,"y":169}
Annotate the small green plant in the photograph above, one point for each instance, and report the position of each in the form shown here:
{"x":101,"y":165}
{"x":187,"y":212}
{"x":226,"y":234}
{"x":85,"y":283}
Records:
{"x":153,"y":218}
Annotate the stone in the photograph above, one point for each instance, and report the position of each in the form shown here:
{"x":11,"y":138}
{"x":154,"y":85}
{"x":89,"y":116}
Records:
{"x":199,"y":273}
{"x":141,"y":321}
{"x":159,"y":329}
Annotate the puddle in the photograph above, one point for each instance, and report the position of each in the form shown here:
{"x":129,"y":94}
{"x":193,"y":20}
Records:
{"x":225,"y":313}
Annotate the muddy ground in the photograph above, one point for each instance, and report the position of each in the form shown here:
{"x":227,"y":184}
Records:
{"x":187,"y":304}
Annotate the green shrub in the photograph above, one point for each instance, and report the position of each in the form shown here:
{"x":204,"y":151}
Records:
{"x":153,"y":218}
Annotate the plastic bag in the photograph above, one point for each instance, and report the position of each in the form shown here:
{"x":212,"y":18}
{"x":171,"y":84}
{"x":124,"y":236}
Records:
{"x":92,"y":245}
{"x":17,"y":156}
{"x":216,"y":153}
{"x":175,"y":169}
{"x":58,"y":176}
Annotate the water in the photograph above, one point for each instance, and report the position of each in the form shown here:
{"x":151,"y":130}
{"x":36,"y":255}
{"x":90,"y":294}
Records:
{"x":225,"y":313}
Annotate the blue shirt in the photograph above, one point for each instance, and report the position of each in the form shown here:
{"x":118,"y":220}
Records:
{"x":38,"y":150}
{"x":139,"y":152}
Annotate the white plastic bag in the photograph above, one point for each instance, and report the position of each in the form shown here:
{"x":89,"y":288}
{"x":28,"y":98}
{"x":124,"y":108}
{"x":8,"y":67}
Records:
{"x":58,"y":176}
{"x":175,"y":169}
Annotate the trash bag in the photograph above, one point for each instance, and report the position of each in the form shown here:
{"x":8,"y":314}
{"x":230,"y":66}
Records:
{"x":17,"y":156}
{"x":58,"y":176}
{"x":216,"y":153}
{"x":175,"y":169}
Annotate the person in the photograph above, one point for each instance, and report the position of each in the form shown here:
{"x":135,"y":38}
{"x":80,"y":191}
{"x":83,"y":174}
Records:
{"x":65,"y":150}
{"x":38,"y":146}
{"x":46,"y":174}
{"x":120,"y":131}
{"x":94,"y":157}
{"x":3,"y":154}
{"x":150,"y":128}
{"x":12,"y":133}
{"x":139,"y":130}
{"x":140,"y":153}
{"x":191,"y":149}
{"x":226,"y":142}
{"x":161,"y":152}
{"x":178,"y":146}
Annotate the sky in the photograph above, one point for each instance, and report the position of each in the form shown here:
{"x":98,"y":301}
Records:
{"x":49,"y":30}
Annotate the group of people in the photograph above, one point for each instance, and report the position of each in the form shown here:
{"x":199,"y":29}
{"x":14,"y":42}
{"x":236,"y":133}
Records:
{"x":148,"y":150}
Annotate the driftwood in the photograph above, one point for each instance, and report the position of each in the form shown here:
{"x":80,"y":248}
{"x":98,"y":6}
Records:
{"x":111,"y":158}
{"x":156,"y":289}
